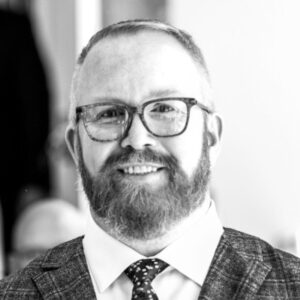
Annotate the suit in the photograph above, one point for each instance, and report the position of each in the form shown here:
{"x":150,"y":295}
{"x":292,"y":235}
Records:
{"x":243,"y":267}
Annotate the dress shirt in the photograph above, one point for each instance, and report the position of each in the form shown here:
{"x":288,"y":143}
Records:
{"x":189,"y":257}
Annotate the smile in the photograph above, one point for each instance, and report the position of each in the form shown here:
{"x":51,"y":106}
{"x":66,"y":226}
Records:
{"x":139,"y":169}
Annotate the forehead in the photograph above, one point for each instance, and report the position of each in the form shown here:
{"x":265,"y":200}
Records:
{"x":136,"y":67}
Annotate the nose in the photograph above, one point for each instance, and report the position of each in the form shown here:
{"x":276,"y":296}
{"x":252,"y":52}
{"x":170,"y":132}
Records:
{"x":138,"y":137}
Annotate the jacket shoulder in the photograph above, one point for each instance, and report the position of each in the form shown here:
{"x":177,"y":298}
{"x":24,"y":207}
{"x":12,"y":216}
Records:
{"x":283,"y":265}
{"x":20,"y":284}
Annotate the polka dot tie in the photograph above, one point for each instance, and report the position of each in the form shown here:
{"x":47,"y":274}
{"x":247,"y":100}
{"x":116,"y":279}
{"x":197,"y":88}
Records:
{"x":141,"y":273}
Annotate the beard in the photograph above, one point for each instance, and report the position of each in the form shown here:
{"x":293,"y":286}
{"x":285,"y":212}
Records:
{"x":135,"y":211}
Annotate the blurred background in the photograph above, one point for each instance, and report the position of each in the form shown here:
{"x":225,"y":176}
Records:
{"x":252,"y":51}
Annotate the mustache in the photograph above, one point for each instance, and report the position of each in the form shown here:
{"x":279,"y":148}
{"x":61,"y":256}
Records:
{"x":130,"y":155}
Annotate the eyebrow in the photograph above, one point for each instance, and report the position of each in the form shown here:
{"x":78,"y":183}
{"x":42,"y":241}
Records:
{"x":159,"y":93}
{"x":162,"y":93}
{"x":108,"y":99}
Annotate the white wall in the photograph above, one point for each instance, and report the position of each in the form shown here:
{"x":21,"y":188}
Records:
{"x":88,"y":20}
{"x":252,"y":48}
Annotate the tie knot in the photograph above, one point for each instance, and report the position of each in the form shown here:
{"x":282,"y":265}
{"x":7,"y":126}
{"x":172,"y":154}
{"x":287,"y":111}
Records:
{"x":145,"y":270}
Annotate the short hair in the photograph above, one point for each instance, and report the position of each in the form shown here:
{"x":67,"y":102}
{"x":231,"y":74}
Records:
{"x":135,"y":26}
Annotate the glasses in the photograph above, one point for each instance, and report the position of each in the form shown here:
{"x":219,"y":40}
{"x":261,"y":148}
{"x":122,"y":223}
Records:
{"x":165,"y":117}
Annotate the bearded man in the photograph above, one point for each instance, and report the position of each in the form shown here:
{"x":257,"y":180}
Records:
{"x":145,"y":135}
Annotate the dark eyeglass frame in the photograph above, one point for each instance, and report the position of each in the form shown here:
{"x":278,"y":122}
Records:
{"x":190,"y":102}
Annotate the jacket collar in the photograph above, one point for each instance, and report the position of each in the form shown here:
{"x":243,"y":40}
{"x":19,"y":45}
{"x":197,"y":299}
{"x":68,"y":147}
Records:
{"x":234,"y":273}
{"x":64,"y":273}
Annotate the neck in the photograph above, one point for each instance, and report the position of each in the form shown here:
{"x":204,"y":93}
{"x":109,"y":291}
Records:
{"x":153,"y":246}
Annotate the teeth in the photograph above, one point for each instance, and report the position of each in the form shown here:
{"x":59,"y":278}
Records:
{"x":139,"y":169}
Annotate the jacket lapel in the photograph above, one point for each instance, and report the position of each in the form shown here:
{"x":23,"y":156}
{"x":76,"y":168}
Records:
{"x":232,"y":275}
{"x":65,"y":274}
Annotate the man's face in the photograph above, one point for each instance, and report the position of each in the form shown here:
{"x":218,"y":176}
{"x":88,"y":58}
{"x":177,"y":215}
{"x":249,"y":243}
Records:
{"x":142,"y":184}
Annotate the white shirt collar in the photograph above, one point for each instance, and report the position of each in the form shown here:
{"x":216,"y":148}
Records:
{"x":107,"y":258}
{"x":190,"y":254}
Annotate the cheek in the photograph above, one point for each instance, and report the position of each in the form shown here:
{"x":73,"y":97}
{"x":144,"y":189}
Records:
{"x":187,"y":147}
{"x":94,"y":153}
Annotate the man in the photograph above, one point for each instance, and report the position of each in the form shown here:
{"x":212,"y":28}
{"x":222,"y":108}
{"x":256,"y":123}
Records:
{"x":144,"y":135}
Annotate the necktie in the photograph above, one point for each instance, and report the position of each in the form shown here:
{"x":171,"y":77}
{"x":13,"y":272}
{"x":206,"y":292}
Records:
{"x":141,"y":273}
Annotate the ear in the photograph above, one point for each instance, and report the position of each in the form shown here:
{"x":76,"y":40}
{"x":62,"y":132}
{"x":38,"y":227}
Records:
{"x":215,"y":129}
{"x":71,"y":140}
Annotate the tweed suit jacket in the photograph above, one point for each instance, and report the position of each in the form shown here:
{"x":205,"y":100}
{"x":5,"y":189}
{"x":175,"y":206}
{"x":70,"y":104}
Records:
{"x":243,"y":267}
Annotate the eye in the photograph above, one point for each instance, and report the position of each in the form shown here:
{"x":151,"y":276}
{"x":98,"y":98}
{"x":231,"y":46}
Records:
{"x":109,"y":114}
{"x":162,"y":108}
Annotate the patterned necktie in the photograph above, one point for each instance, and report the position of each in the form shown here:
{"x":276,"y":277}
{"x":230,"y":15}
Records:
{"x":141,"y":273}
